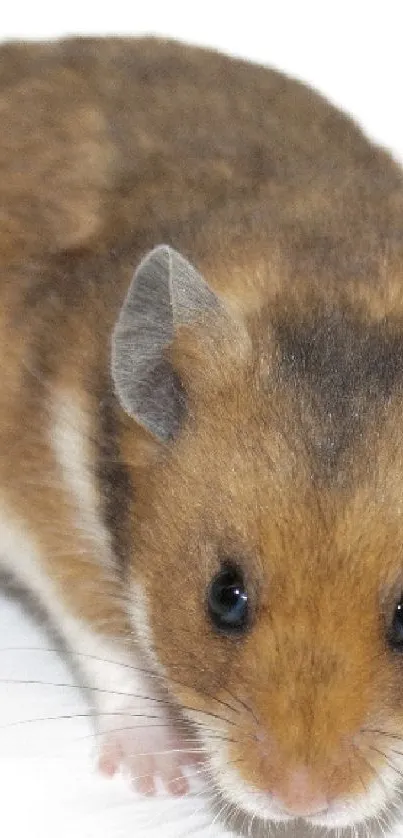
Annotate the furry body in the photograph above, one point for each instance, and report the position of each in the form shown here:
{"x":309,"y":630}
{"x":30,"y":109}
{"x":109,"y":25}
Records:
{"x":288,"y":454}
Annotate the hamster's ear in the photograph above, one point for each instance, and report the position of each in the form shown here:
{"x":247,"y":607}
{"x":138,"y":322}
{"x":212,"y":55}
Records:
{"x":166,"y":292}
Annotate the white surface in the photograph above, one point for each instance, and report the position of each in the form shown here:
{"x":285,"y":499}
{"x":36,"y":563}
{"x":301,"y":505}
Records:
{"x":49,"y":788}
{"x":352,"y":52}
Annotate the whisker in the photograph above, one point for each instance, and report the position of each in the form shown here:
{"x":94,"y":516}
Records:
{"x":208,"y":713}
{"x":365,"y":789}
{"x":120,"y":729}
{"x":171,"y":751}
{"x":149,"y":673}
{"x":239,"y":701}
{"x":246,"y":820}
{"x":79,"y":687}
{"x":230,"y":813}
{"x":365,"y":760}
{"x":196,"y":668}
{"x":385,"y":733}
{"x":250,"y":825}
{"x":387,"y":760}
{"x":89,"y":715}
{"x":123,"y":664}
{"x":219,"y":813}
{"x":210,"y":736}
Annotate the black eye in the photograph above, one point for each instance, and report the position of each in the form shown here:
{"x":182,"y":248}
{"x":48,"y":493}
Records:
{"x":228,"y":601}
{"x":396,"y":629}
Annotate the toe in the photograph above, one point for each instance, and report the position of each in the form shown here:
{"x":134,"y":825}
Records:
{"x":110,"y":759}
{"x":145,"y":785}
{"x":177,"y":786}
{"x":172,"y":775}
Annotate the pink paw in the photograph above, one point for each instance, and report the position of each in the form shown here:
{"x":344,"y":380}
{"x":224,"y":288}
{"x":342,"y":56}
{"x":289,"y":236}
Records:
{"x":147,"y":753}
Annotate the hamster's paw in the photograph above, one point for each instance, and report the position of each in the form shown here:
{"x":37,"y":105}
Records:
{"x":148,"y":752}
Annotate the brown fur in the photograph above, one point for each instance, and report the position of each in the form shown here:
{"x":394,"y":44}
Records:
{"x":291,"y":458}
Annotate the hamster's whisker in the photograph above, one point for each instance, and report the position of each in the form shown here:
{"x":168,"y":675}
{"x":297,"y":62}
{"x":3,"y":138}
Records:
{"x":227,"y":814}
{"x":127,"y":728}
{"x":161,"y":701}
{"x":124,"y":665}
{"x":87,"y":656}
{"x":383,"y":824}
{"x":244,"y":705}
{"x":359,"y":776}
{"x":197,"y":773}
{"x":220,"y":812}
{"x":196,"y":667}
{"x":209,"y":714}
{"x":218,"y":700}
{"x":246,"y":821}
{"x":150,"y":673}
{"x":381,"y":732}
{"x":365,"y":788}
{"x":378,"y":777}
{"x":250,"y":825}
{"x":84,"y":687}
{"x":88,"y":715}
{"x":365,"y":760}
{"x":392,"y":813}
{"x":122,"y":729}
{"x":203,"y":768}
{"x":233,"y":813}
{"x":213,"y":698}
{"x":118,"y":693}
{"x":210,"y":696}
{"x":156,"y":723}
{"x":387,"y":760}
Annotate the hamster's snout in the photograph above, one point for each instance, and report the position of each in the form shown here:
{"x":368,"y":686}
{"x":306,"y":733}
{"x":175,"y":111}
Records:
{"x":300,"y":796}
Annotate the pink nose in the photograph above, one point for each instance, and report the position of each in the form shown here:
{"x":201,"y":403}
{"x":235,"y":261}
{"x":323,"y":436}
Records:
{"x":300,"y":796}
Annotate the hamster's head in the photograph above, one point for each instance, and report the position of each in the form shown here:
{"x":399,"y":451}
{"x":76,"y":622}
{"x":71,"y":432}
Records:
{"x":268,"y":571}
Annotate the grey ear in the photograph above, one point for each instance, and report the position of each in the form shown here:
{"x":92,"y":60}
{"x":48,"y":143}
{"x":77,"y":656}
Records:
{"x":166,"y":292}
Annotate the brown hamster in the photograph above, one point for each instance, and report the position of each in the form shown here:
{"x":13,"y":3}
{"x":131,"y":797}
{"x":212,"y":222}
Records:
{"x":202,"y":468}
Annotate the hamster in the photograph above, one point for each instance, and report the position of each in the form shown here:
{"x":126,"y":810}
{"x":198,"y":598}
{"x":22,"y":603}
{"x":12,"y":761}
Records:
{"x":201,"y":465}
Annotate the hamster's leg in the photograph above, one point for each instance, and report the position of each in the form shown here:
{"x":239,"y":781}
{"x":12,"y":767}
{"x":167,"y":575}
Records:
{"x":138,"y":729}
{"x":71,"y":572}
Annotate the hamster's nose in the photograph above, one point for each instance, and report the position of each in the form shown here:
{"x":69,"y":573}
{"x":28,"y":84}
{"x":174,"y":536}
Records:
{"x":300,"y":796}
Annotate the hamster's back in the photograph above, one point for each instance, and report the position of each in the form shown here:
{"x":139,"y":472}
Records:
{"x":105,"y":139}
{"x":110,"y":146}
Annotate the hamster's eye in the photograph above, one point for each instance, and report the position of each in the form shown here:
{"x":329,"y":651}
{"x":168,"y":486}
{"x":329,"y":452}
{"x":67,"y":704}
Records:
{"x":396,"y":629}
{"x":227,"y":601}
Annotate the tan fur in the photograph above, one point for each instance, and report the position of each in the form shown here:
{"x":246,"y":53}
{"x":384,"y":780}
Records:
{"x":106,"y":149}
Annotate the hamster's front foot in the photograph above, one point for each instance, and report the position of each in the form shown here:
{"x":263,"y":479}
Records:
{"x":148,"y":749}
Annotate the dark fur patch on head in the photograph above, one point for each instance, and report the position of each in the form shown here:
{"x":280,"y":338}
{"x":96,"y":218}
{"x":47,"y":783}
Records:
{"x":342,"y":370}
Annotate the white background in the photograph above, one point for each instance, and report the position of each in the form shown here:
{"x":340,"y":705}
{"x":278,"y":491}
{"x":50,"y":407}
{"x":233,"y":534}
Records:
{"x":353,"y":53}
